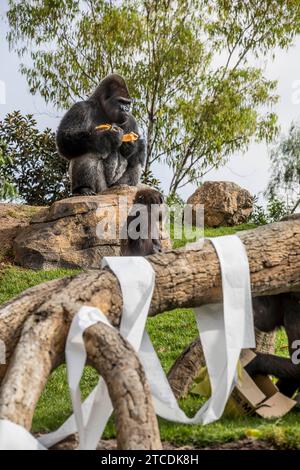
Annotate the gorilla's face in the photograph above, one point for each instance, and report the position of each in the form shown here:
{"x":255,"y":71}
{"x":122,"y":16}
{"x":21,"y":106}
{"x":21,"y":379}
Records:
{"x":117,"y":108}
{"x":114,"y":97}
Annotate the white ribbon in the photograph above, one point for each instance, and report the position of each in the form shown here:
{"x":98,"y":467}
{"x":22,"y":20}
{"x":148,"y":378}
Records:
{"x":15,"y":437}
{"x":224,"y":331}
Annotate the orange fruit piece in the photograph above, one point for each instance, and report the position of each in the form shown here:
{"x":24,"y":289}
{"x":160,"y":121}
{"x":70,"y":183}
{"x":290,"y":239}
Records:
{"x":131,"y":137}
{"x":103,"y":127}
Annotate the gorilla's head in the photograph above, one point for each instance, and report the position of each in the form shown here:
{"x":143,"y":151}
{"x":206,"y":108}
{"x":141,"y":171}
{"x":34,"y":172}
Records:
{"x":114,"y":98}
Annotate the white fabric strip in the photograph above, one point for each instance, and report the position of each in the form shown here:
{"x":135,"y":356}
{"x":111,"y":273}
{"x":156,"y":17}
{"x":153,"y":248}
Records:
{"x":224,"y":330}
{"x":15,"y":437}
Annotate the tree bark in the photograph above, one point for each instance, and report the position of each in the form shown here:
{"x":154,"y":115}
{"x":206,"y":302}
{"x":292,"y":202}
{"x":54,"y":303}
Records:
{"x":184,"y":278}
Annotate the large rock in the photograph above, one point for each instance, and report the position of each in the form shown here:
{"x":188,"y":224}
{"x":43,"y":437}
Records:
{"x":76,"y":232}
{"x":12,"y":218}
{"x":225,"y":203}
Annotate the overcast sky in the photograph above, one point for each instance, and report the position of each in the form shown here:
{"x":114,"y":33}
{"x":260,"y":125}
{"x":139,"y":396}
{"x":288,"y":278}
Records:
{"x":250,"y":170}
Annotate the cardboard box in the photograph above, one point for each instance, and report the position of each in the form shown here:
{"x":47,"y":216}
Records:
{"x":259,"y":396}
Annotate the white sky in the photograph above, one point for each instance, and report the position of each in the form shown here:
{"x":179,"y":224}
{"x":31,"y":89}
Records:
{"x":250,"y":170}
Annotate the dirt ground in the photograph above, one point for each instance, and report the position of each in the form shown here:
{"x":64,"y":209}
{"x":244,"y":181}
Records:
{"x":242,"y":444}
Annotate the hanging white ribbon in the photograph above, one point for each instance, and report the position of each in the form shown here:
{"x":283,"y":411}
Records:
{"x":15,"y":437}
{"x":224,"y":330}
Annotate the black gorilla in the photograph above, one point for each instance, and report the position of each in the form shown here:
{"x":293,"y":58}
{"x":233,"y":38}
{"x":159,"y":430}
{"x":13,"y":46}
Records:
{"x":271,"y":312}
{"x":99,"y":159}
{"x":145,"y":201}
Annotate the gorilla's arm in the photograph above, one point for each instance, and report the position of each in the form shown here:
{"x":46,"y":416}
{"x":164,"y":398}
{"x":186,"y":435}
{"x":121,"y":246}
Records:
{"x":135,"y":159}
{"x":77,"y":136}
{"x":280,"y":367}
{"x":271,"y":312}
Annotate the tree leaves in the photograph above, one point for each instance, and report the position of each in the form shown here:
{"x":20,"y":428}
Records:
{"x":30,"y":161}
{"x":285,"y":164}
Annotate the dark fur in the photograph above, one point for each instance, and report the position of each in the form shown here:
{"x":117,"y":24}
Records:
{"x":141,"y":246}
{"x":271,"y":312}
{"x":100,"y":159}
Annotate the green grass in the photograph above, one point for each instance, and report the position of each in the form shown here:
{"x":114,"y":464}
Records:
{"x":14,"y":280}
{"x":194,"y":233}
{"x":170,"y":333}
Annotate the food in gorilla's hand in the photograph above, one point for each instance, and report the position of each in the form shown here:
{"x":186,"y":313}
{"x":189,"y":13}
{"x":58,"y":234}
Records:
{"x":103,"y":127}
{"x":131,"y":137}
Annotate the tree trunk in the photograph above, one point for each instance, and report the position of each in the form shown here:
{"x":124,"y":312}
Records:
{"x":34,"y":325}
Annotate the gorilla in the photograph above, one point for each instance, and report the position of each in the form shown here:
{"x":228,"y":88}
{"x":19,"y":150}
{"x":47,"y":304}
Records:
{"x":145,"y":200}
{"x":99,"y":158}
{"x":272,"y":312}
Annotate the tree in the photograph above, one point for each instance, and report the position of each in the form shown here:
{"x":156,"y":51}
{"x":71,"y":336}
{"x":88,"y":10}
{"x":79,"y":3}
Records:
{"x":285,"y":164}
{"x":187,"y":64}
{"x":32,"y":163}
{"x":7,"y":190}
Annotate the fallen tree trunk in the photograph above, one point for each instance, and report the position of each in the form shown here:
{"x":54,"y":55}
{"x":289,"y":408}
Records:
{"x":184,"y":278}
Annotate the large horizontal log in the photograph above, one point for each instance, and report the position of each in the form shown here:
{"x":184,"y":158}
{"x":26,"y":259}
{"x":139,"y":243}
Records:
{"x":184,"y":278}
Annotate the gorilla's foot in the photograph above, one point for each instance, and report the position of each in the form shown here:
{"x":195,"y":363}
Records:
{"x":84,"y":192}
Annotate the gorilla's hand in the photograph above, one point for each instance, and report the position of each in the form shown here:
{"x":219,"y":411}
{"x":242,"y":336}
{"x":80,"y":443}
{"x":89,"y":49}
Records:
{"x":109,"y":140}
{"x":128,"y":149}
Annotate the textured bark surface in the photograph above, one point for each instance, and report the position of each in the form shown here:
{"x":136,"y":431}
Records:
{"x":116,"y":361}
{"x":183,"y":279}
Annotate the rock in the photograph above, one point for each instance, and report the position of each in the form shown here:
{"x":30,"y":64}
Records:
{"x":76,"y":232}
{"x":225,"y":203}
{"x":12,"y":218}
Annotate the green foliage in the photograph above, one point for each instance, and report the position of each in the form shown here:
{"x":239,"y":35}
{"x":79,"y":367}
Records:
{"x":187,"y":64}
{"x":32,"y":163}
{"x":149,"y":179}
{"x":7,"y":190}
{"x":174,"y":199}
{"x":285,"y":163}
{"x":259,"y":215}
{"x":276,"y":209}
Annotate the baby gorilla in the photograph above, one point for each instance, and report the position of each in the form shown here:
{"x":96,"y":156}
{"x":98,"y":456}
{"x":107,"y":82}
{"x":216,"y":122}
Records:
{"x":99,"y":158}
{"x":143,"y":224}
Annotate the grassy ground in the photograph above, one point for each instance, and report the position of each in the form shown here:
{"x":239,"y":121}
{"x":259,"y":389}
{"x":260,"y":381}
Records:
{"x":170,"y":333}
